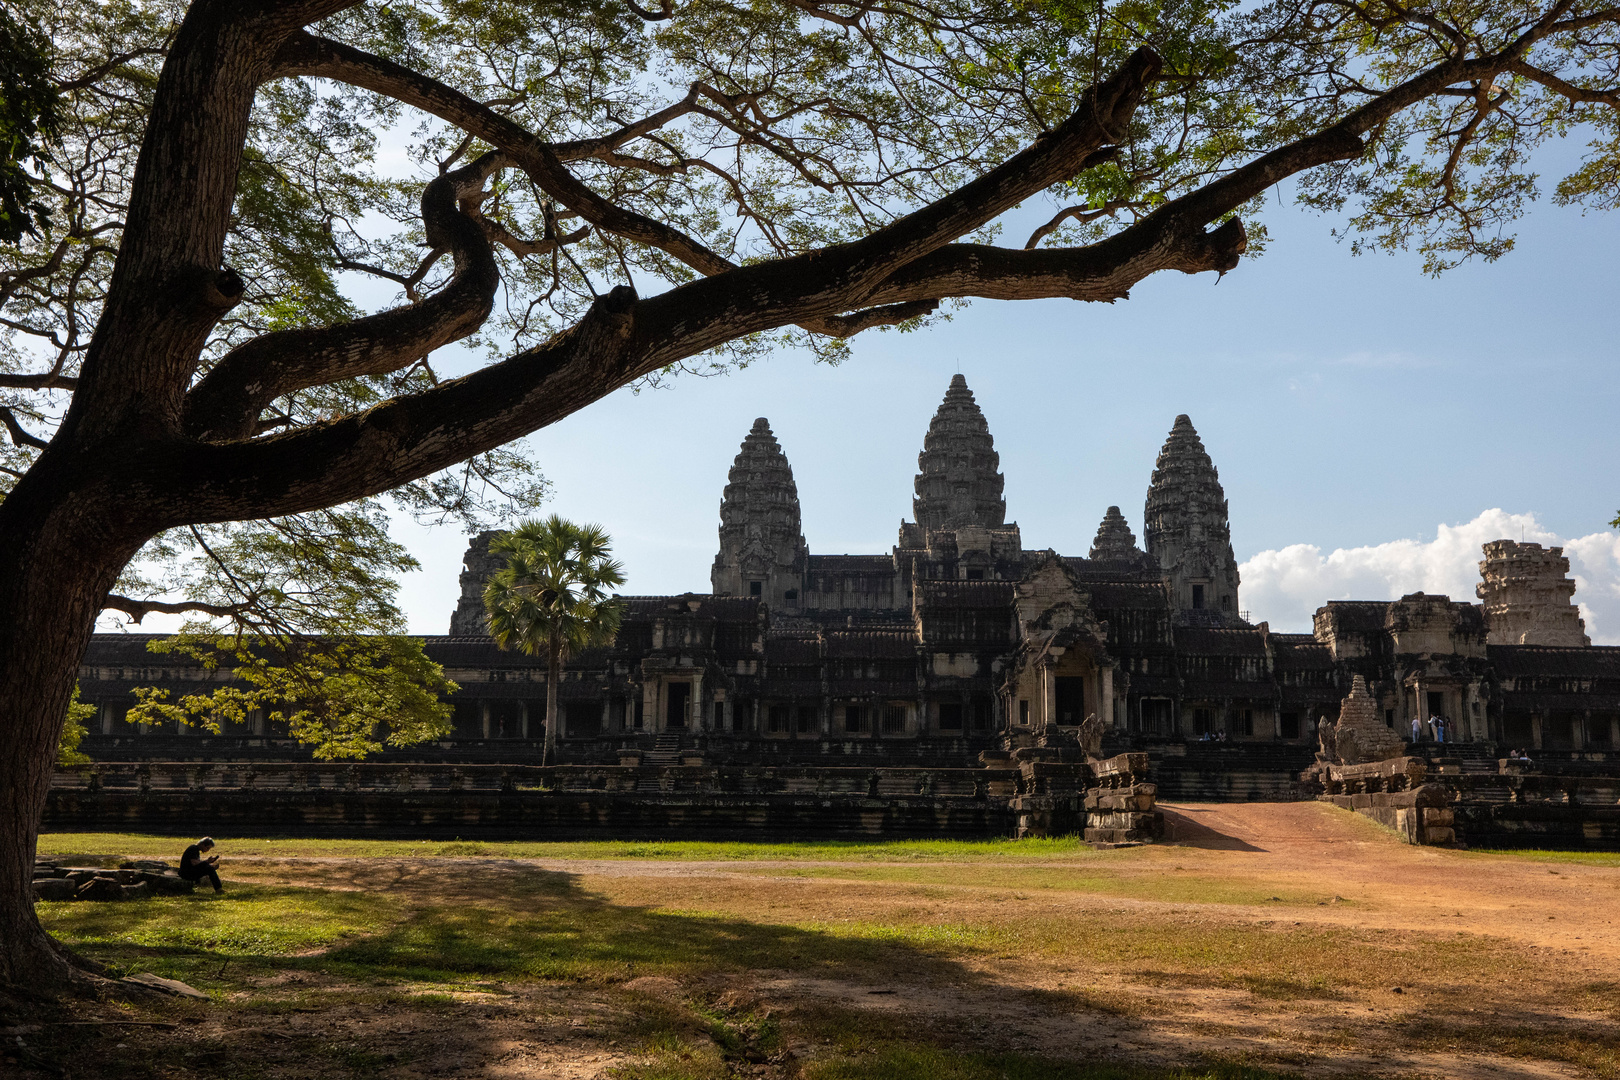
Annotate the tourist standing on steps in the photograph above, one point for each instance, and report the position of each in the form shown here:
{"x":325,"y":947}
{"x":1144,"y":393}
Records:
{"x":194,"y":866}
{"x":1417,"y":729}
{"x":1440,"y":729}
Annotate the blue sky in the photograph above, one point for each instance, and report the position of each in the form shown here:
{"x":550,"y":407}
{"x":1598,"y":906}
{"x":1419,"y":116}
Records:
{"x":1350,"y":403}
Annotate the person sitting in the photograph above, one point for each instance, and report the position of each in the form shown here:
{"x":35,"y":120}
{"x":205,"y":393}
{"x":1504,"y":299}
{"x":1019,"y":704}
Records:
{"x":196,"y":864}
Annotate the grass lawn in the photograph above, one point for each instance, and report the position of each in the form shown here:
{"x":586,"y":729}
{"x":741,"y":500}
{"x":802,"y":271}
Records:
{"x":1033,"y":960}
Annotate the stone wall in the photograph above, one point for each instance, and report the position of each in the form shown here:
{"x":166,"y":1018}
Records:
{"x":1038,"y":793}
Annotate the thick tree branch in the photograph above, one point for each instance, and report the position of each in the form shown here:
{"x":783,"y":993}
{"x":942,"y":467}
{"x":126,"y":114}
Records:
{"x":140,"y":609}
{"x":226,"y":403}
{"x":1083,"y":140}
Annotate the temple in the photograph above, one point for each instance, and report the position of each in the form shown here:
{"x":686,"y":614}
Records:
{"x":961,"y":641}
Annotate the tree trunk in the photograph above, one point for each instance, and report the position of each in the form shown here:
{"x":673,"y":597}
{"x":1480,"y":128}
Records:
{"x":63,"y":553}
{"x":553,"y":721}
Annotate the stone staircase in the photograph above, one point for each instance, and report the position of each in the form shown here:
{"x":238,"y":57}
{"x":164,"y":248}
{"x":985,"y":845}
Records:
{"x":1477,"y":759}
{"x":1229,"y":772}
{"x":666,"y":751}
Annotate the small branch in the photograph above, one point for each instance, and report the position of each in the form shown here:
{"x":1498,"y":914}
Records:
{"x":1082,"y":214}
{"x":843,"y":326}
{"x":47,"y":381}
{"x":19,"y":435}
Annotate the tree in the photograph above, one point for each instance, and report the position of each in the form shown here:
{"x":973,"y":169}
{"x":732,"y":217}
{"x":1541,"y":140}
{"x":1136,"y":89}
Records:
{"x":178,"y":353}
{"x":552,"y":598}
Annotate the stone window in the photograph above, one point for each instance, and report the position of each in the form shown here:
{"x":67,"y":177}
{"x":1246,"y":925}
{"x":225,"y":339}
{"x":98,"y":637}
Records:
{"x":791,"y":594}
{"x":983,"y":712}
{"x":1389,"y":718}
{"x":894,"y":719}
{"x":809,"y":719}
{"x":777,"y":719}
{"x":975,"y":573}
{"x":1023,"y":712}
{"x":1288,"y":725}
{"x":1246,"y":722}
{"x":1198,"y":597}
{"x":1203,"y":720}
{"x":756,"y":588}
{"x":854,"y":718}
{"x":950,"y":716}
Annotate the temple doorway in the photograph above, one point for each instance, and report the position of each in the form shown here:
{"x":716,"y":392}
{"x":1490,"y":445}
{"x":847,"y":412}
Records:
{"x":1071,"y":700}
{"x":680,"y":697}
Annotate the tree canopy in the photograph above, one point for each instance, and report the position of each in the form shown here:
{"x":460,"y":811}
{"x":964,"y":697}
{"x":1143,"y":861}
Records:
{"x":592,"y":193}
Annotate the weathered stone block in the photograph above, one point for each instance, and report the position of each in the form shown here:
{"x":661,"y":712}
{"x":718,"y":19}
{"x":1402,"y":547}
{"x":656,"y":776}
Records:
{"x":170,"y":884}
{"x":54,"y":889}
{"x":101,"y":888}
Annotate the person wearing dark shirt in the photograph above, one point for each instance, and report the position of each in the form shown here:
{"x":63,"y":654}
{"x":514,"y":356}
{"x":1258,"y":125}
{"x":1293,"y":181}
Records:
{"x":196,"y":864}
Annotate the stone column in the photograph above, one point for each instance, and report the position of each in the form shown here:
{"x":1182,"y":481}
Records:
{"x":651,"y":719}
{"x":483,"y":710}
{"x":523,"y":718}
{"x":1106,"y":705}
{"x":1048,"y":698}
{"x":695,"y":720}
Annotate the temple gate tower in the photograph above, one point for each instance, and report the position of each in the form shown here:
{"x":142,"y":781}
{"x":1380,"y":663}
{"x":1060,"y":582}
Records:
{"x":762,"y":552}
{"x":1187,"y":529}
{"x":960,"y":516}
{"x":1528,"y":596}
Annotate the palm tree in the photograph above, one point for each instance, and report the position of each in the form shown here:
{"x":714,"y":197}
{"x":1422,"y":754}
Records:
{"x":553,"y":596}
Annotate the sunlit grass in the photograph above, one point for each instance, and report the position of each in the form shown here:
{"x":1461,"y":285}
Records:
{"x":246,"y":920}
{"x":147,"y":846}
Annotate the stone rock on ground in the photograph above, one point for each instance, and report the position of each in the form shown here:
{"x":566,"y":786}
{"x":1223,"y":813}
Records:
{"x":170,"y":884}
{"x":139,"y":891}
{"x":145,"y":864}
{"x":174,"y":987}
{"x":101,"y":888}
{"x":54,"y":889}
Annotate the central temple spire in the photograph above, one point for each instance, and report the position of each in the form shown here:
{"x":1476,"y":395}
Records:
{"x":958,"y":485}
{"x":762,"y":552}
{"x":1187,"y":527}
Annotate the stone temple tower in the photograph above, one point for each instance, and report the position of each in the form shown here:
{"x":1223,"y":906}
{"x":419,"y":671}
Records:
{"x":961,"y":519}
{"x":1528,"y":595}
{"x":958,"y":479}
{"x":1115,"y":542}
{"x":1187,"y":528}
{"x":762,"y":552}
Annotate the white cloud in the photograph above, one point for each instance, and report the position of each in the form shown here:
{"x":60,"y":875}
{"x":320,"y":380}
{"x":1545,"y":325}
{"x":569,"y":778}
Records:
{"x":1285,"y":587}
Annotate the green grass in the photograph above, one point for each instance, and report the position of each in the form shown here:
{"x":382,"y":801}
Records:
{"x":67,"y":845}
{"x":1584,"y":858}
